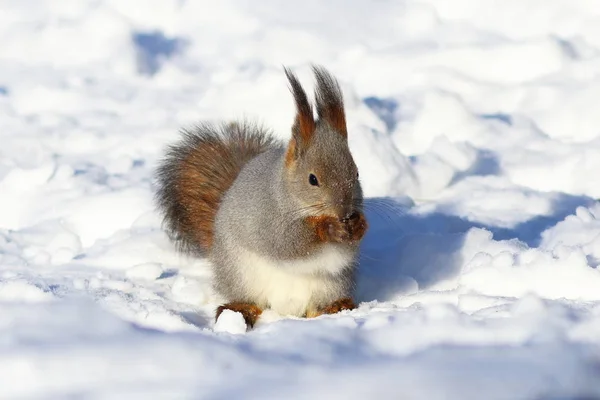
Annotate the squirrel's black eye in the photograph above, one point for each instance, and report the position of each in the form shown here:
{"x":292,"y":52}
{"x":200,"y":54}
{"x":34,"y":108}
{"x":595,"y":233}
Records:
{"x":356,"y":174}
{"x":312,"y":179}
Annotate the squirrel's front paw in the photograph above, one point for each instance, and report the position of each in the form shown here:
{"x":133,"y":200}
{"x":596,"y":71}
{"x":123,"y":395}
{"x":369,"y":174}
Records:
{"x":357,"y":226}
{"x":329,"y":229}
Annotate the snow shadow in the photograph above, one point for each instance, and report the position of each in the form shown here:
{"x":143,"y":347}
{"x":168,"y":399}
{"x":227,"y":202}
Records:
{"x":404,"y":252}
{"x":385,"y":108}
{"x":485,"y":164}
{"x":196,"y":318}
{"x":505,"y":118}
{"x":530,"y":231}
{"x":153,"y":48}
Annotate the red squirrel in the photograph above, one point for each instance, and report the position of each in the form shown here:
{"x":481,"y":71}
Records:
{"x":280,"y":224}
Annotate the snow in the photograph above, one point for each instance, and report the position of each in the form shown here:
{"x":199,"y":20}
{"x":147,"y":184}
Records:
{"x":476,"y":132}
{"x":231,"y":322}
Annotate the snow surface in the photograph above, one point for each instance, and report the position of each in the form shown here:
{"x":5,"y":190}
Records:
{"x":476,"y":129}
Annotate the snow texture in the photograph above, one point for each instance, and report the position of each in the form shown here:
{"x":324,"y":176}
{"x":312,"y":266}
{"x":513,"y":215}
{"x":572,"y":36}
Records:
{"x":476,"y":129}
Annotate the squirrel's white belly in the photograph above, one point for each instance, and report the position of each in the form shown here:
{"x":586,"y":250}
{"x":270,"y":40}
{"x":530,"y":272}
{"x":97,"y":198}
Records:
{"x":292,"y":287}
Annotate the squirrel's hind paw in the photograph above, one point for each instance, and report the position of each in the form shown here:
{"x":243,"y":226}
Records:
{"x":333,"y":308}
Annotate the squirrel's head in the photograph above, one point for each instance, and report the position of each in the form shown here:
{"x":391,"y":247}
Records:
{"x":321,"y":175}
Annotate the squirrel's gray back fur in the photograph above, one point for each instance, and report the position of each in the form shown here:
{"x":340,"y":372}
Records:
{"x":261,"y":247}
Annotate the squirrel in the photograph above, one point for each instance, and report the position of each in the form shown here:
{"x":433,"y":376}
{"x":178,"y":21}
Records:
{"x":280,"y":224}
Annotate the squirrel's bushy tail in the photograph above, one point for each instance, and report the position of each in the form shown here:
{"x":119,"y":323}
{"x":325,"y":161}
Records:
{"x":197,"y":172}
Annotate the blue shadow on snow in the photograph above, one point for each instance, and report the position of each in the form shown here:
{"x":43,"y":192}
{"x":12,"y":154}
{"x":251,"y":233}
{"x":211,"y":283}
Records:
{"x":403,"y":252}
{"x":153,"y":48}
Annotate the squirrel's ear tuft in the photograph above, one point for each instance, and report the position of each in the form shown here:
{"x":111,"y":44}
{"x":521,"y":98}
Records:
{"x":304,"y":124}
{"x":330,"y":101}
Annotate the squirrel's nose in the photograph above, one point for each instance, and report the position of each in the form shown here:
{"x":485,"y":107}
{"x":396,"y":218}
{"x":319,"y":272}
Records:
{"x":344,"y":209}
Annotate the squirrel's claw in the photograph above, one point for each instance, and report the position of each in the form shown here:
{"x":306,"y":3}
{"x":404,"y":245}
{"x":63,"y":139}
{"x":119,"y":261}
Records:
{"x":357,"y":226}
